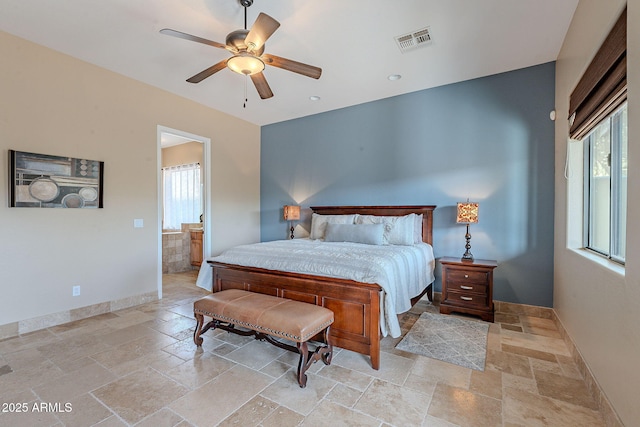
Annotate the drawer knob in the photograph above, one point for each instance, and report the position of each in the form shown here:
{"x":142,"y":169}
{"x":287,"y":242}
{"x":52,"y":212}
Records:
{"x":466,"y":298}
{"x":466,"y":276}
{"x":466,"y":288}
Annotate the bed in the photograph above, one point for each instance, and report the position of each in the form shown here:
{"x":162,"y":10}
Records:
{"x":361,"y":308}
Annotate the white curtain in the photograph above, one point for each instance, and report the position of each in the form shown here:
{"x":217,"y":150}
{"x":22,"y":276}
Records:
{"x":181,"y":195}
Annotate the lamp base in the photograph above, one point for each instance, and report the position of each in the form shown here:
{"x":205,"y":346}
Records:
{"x":291,"y":229}
{"x":467,"y":256}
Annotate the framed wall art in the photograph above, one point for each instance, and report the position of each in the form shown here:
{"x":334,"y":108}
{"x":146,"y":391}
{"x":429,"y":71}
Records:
{"x":43,"y":181}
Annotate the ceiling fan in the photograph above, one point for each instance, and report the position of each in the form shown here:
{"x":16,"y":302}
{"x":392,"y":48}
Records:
{"x":247,"y":48}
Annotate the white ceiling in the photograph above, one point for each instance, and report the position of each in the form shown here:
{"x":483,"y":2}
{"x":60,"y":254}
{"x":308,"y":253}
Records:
{"x":352,"y":41}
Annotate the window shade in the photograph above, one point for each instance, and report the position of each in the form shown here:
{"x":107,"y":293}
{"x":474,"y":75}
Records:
{"x":603,"y":87}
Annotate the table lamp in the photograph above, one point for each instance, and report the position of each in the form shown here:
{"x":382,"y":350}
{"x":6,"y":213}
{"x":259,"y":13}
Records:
{"x":291,"y":213}
{"x":467,"y":214}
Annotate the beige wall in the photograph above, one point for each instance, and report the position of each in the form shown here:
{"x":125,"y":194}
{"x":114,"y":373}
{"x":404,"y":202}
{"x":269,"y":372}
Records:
{"x":55,"y":104}
{"x":599,"y":304}
{"x":190,"y":152}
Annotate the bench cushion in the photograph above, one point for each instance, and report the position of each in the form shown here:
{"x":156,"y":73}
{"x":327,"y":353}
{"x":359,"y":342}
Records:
{"x":279,"y":317}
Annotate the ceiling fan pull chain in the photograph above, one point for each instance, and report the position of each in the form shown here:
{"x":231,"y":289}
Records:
{"x":246,"y":77}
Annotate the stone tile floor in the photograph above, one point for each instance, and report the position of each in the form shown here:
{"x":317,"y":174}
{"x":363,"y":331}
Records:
{"x":139,"y":366}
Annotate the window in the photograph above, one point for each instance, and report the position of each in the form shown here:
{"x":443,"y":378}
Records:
{"x":605,"y":154}
{"x":181,"y":195}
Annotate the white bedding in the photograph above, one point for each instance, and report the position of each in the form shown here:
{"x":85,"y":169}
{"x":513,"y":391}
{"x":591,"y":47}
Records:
{"x":403,"y":272}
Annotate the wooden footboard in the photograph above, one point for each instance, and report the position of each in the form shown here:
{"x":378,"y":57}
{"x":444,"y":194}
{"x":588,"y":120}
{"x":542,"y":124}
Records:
{"x":356,"y":306}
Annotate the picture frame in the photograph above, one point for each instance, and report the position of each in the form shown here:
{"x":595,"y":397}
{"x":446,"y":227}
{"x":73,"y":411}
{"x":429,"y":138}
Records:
{"x":46,"y":181}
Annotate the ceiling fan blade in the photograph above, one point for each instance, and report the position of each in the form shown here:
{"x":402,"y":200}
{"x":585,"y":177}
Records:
{"x":260,"y":82}
{"x":293,"y":66}
{"x":208,"y":72}
{"x":261,"y":30}
{"x":181,"y":35}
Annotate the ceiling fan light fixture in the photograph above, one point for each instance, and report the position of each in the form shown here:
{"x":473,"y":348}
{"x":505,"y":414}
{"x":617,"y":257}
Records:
{"x":246,"y":64}
{"x":248,"y":57}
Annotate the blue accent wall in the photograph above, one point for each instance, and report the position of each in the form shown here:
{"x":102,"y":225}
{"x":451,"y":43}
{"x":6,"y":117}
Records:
{"x":489,"y":140}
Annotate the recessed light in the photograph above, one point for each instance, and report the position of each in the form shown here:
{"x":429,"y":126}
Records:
{"x":314,"y":98}
{"x":394,"y":77}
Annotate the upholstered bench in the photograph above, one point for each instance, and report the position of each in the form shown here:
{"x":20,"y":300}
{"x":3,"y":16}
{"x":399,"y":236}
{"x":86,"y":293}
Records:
{"x":268,"y":317}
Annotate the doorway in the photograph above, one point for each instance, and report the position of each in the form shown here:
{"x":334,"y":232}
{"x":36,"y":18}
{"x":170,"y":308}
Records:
{"x":192,"y":148}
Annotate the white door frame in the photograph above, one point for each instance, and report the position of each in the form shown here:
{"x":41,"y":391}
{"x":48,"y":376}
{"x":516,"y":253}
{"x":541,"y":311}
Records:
{"x":206,"y":158}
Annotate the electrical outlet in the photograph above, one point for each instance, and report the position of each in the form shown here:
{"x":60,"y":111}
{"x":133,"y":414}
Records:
{"x":76,"y":291}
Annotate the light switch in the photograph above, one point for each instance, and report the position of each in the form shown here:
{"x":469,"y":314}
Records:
{"x":138,"y":223}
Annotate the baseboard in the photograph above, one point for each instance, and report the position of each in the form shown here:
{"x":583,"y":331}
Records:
{"x":22,"y":327}
{"x":610,"y":416}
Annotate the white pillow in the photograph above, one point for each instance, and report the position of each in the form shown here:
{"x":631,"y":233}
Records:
{"x":370,"y":234}
{"x":319,"y":223}
{"x":417,"y":229}
{"x":399,"y":230}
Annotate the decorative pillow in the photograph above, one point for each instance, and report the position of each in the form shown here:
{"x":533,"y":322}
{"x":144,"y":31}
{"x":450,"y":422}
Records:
{"x":370,"y":234}
{"x":319,"y":223}
{"x":398,"y":230}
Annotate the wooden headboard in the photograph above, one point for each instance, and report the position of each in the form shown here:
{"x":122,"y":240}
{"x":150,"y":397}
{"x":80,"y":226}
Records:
{"x":425,"y":211}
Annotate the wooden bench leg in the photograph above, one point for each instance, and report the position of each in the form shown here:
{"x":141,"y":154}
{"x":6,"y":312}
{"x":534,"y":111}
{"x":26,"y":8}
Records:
{"x":328,"y":355}
{"x":303,"y":348}
{"x":324,"y":352}
{"x":197,"y":339}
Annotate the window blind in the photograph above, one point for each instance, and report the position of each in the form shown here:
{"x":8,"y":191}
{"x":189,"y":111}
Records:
{"x":603,"y":86}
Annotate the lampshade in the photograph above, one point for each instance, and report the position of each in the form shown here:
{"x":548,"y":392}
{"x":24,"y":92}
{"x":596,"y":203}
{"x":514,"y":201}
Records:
{"x":291,"y":213}
{"x":245,"y":63}
{"x":467,"y":212}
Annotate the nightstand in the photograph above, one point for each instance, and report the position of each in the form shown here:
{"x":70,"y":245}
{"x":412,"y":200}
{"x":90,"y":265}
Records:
{"x":467,"y":287}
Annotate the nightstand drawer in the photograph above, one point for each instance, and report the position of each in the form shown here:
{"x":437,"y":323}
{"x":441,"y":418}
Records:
{"x":466,"y":277}
{"x":466,"y":287}
{"x":467,"y":299}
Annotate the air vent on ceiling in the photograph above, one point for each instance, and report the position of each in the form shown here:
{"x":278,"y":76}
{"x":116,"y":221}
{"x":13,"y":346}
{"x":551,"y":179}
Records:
{"x":413,"y":40}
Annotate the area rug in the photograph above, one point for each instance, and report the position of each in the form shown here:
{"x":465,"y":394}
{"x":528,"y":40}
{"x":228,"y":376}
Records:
{"x":448,"y":338}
